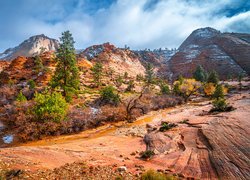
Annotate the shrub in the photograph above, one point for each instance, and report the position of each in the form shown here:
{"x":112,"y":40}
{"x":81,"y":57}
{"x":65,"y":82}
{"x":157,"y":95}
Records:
{"x":31,"y":84}
{"x":153,"y":175}
{"x":50,"y":107}
{"x":139,"y":77}
{"x":176,"y":88}
{"x":221,"y":105}
{"x":147,"y":154}
{"x":209,"y":89}
{"x":164,"y":89}
{"x":118,"y":81}
{"x":166,"y":126}
{"x":20,"y":97}
{"x":109,"y":96}
{"x":131,"y":86}
{"x":219,"y":92}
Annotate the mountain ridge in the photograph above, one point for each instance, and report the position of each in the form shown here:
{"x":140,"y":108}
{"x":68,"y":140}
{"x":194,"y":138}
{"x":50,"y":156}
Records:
{"x":226,"y":53}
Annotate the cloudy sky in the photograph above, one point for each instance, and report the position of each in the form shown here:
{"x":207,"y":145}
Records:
{"x":137,"y":23}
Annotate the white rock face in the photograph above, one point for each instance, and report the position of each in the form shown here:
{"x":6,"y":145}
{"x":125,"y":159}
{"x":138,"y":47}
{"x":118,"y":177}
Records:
{"x":30,"y":47}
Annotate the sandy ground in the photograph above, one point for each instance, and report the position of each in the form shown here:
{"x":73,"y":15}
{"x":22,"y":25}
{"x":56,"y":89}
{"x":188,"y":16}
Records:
{"x":119,"y":144}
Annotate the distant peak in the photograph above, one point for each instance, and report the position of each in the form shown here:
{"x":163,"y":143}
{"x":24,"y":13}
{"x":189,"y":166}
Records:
{"x":206,"y":32}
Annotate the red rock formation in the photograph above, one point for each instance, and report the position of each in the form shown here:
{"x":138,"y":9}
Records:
{"x":119,"y":60}
{"x":3,"y":65}
{"x":22,"y":69}
{"x":228,"y":54}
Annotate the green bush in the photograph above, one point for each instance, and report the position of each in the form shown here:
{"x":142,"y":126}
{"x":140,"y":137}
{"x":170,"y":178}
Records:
{"x":131,"y":86}
{"x":166,"y":126}
{"x":50,"y":107}
{"x":139,"y":77}
{"x":20,"y":97}
{"x":147,"y":154}
{"x":31,"y":84}
{"x":176,"y":88}
{"x":118,"y":81}
{"x":153,"y":175}
{"x":221,"y":105}
{"x":108,"y":95}
{"x":164,"y":89}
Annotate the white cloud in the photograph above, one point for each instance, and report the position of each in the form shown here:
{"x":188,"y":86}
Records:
{"x":166,"y":24}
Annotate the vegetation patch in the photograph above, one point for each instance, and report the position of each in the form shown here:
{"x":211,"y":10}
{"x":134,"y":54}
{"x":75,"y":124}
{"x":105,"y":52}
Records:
{"x":166,"y":126}
{"x":50,"y":107}
{"x":153,"y":175}
{"x":220,"y":105}
{"x":148,"y":154}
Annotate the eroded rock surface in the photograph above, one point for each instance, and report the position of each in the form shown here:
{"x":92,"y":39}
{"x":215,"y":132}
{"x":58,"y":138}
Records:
{"x":214,"y":146}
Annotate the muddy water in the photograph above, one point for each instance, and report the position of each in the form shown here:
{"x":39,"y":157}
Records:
{"x":101,"y":131}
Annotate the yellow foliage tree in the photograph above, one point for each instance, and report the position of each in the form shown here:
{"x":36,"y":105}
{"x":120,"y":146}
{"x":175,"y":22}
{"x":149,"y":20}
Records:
{"x":209,"y":89}
{"x":187,"y":87}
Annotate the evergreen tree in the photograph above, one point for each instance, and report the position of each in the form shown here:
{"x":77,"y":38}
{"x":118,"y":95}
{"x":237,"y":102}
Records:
{"x":38,"y":64}
{"x":149,"y":77}
{"x":218,"y":93}
{"x":97,"y":73}
{"x":213,"y":78}
{"x":200,"y":74}
{"x":66,"y":76}
{"x":240,"y":77}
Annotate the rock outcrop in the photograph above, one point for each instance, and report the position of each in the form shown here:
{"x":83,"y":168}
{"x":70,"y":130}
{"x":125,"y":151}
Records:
{"x":22,"y":69}
{"x":114,"y":59}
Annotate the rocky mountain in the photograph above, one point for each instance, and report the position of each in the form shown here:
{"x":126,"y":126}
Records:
{"x":159,"y":58}
{"x":30,"y":47}
{"x":114,"y":59}
{"x":226,"y":53}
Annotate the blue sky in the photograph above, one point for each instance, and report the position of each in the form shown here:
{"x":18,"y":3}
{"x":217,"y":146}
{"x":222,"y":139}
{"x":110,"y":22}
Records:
{"x":137,"y":23}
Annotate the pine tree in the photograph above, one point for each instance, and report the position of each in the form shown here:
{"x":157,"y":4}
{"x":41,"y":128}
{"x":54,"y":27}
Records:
{"x":149,"y":77}
{"x":200,"y":74}
{"x":66,"y":76}
{"x":97,"y":73}
{"x":218,"y":93}
{"x":213,"y":78}
{"x":38,"y":64}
